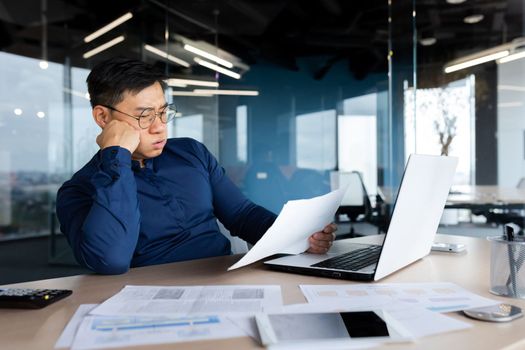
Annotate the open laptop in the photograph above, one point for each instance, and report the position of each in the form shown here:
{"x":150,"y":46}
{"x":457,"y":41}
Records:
{"x":417,"y":210}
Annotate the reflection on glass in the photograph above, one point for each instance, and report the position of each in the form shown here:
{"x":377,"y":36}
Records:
{"x":242,"y":133}
{"x":357,"y":139}
{"x":85,"y":130}
{"x":30,"y":114}
{"x":511,"y":124}
{"x":190,"y":126}
{"x":315,"y":140}
{"x":443,"y":124}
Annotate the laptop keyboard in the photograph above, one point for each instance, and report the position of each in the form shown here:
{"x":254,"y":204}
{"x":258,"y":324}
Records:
{"x":352,"y":261}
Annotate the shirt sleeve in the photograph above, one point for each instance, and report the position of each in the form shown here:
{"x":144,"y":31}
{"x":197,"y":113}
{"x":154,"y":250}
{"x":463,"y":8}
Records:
{"x":100,"y":216}
{"x":238,"y":214}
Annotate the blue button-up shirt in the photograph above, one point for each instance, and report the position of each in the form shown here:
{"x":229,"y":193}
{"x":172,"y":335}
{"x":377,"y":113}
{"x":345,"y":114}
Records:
{"x":116,"y":214}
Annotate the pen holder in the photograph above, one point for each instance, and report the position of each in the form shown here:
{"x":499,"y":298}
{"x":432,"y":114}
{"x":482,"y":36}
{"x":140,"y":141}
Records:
{"x":507,"y":273}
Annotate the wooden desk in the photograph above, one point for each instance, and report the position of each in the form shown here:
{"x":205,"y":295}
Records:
{"x":39,"y":329}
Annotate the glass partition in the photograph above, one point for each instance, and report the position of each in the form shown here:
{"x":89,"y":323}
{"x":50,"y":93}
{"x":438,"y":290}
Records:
{"x":469,"y":103}
{"x":282,"y":93}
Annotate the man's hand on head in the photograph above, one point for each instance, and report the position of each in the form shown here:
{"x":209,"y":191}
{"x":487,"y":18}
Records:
{"x":119,"y":133}
{"x":320,"y":242}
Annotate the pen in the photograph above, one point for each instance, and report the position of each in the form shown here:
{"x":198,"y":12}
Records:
{"x":509,"y":233}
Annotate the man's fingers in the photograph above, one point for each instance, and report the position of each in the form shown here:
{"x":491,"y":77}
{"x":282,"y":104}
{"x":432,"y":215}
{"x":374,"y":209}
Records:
{"x":320,"y":242}
{"x":325,"y":243}
{"x":324,"y":236}
{"x":318,"y":246}
{"x":330,"y":228}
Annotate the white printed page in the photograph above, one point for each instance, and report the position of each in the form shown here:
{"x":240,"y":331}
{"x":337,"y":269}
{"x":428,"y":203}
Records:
{"x":68,"y":334}
{"x":439,"y":297}
{"x":192,"y":300}
{"x":298,"y":220}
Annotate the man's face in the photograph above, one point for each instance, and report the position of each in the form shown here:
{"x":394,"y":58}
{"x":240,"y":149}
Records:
{"x":152,"y":139}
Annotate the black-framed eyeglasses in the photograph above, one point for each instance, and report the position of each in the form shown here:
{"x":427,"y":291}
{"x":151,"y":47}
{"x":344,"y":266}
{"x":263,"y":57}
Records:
{"x":147,"y":117}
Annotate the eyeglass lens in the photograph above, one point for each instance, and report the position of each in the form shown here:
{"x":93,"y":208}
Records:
{"x":148,"y":116}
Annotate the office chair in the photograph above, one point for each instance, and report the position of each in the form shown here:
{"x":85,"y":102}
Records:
{"x":356,"y":203}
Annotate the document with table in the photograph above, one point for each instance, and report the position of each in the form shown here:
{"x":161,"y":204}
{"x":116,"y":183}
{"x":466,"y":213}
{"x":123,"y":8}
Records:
{"x":192,"y":300}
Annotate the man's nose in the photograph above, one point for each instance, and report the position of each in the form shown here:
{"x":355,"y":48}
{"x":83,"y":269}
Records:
{"x":157,"y":125}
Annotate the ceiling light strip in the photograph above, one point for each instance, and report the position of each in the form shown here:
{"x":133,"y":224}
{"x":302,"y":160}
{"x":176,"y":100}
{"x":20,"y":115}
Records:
{"x":108,"y":27}
{"x":163,"y":54}
{"x":208,"y":55}
{"x":174,"y":81}
{"x":476,"y":61}
{"x":513,"y":57}
{"x":228,"y":92}
{"x":189,"y":93}
{"x":103,"y":47}
{"x":217,"y":68}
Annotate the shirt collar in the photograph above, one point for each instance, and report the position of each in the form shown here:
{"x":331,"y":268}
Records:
{"x":148,"y":164}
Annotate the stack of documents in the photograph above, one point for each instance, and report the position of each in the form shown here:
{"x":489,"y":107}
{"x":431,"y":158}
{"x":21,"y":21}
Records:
{"x":140,"y":315}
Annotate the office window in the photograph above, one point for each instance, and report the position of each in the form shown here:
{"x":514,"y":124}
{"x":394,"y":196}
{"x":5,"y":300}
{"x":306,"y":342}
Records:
{"x":84,"y":129}
{"x":30,"y":120}
{"x":189,"y":126}
{"x":357,"y":139}
{"x":315,"y":140}
{"x":242,"y":133}
{"x":443,"y":124}
{"x":511,"y":123}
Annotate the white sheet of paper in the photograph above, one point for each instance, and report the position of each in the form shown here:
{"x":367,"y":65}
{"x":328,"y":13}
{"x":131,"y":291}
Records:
{"x":439,"y":297}
{"x":68,"y":334}
{"x":192,"y":300}
{"x":297,"y":221}
{"x":97,"y":332}
{"x":247,"y":324}
{"x":419,"y":321}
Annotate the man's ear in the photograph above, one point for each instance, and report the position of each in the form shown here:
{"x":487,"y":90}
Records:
{"x":101,"y":115}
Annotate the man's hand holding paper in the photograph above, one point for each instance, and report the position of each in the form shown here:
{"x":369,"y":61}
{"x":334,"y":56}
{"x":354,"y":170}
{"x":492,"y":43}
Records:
{"x":292,"y":230}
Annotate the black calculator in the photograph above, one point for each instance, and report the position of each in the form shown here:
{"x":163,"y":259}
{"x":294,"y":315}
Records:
{"x":28,"y":298}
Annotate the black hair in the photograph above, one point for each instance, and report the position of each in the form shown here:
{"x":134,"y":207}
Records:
{"x":110,"y":79}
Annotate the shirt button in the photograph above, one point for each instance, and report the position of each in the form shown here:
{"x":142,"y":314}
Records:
{"x":113,"y":151}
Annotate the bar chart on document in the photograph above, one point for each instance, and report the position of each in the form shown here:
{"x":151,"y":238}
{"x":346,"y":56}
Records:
{"x":117,"y":331}
{"x":439,"y":297}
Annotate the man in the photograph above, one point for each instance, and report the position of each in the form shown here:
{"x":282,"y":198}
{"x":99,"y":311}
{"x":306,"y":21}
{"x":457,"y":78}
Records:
{"x":144,"y":199}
